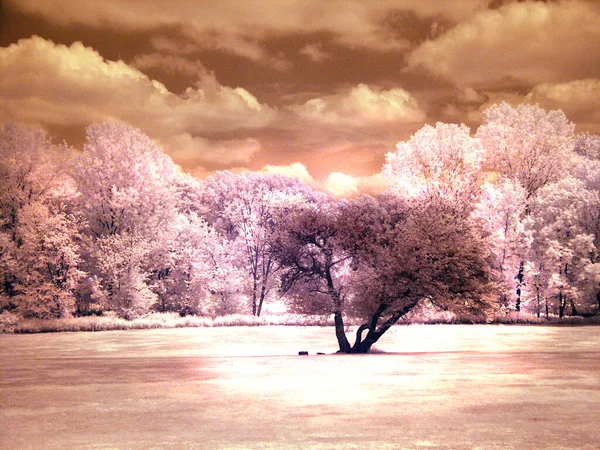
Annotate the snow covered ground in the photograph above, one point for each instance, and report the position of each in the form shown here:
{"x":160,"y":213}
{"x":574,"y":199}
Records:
{"x":460,"y":387}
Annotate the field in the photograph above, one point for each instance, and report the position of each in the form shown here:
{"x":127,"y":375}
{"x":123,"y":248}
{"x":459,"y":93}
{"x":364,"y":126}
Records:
{"x":433,"y":387}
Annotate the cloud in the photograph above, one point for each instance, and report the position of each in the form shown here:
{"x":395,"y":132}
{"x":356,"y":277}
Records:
{"x":314,"y":52}
{"x":40,"y":81}
{"x":74,"y":86}
{"x":193,"y":151}
{"x":520,"y":43}
{"x":244,"y":27}
{"x":362,"y":106}
{"x":469,"y":105}
{"x":339,"y":184}
{"x":209,"y":124}
{"x":579,"y":99}
{"x":169,"y":64}
{"x":173,"y":46}
{"x":294,"y":170}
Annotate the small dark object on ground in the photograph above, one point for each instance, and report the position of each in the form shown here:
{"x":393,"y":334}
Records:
{"x":303,"y":353}
{"x":320,"y":353}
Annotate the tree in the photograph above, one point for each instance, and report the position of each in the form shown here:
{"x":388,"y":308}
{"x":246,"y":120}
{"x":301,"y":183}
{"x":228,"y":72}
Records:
{"x":564,"y":215}
{"x":47,"y":272}
{"x":27,"y":172}
{"x":501,"y":212}
{"x":241,"y":207}
{"x":527,"y":144}
{"x":125,"y":181}
{"x":442,"y":161}
{"x":423,"y":252}
{"x":377,"y":259}
{"x":200,"y":275}
{"x":586,"y":167}
{"x":226,"y":283}
{"x":38,"y":237}
{"x":128,"y":200}
{"x":308,"y":246}
{"x":588,"y":145}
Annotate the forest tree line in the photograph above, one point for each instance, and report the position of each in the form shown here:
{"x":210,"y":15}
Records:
{"x":506,"y":218}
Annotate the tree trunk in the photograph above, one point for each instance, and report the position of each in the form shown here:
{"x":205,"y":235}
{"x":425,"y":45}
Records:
{"x":519,"y":277}
{"x":263,"y":294}
{"x":254,"y":303}
{"x":338,"y":320}
{"x":573,"y":308}
{"x":340,"y":333}
{"x":561,"y":305}
{"x":364,"y":345}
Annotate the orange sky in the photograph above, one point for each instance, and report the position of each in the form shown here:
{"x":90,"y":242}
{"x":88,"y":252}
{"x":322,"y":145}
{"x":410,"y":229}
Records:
{"x":310,"y":87}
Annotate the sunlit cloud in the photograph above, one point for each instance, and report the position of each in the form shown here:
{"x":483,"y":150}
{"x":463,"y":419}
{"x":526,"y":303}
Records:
{"x":363,"y":106}
{"x":294,"y":170}
{"x":340,"y":185}
{"x":48,"y":82}
{"x":579,"y":99}
{"x":526,"y":42}
{"x":67,"y":86}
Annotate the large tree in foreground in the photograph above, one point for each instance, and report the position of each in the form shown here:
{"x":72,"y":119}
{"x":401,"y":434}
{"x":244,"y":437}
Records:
{"x":376,"y":259}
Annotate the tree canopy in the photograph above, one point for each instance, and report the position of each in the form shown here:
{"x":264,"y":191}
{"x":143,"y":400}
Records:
{"x":477,"y":224}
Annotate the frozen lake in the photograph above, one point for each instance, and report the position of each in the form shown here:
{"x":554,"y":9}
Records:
{"x":460,"y":387}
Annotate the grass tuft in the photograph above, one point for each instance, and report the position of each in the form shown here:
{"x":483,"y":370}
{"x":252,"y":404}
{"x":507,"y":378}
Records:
{"x":151,"y":321}
{"x":11,"y":323}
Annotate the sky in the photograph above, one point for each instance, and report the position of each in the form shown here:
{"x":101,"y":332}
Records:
{"x":318,"y":89}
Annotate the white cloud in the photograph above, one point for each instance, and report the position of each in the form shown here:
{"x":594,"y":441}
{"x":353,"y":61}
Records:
{"x":294,"y":170}
{"x":528,"y":42}
{"x":59,"y":85}
{"x":579,"y":99}
{"x":362,"y":106}
{"x":340,"y":184}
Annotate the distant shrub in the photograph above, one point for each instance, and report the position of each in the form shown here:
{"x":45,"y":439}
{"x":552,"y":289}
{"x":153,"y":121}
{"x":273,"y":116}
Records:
{"x":8,"y":322}
{"x":109,"y":322}
{"x":518,"y":318}
{"x":12,"y":323}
